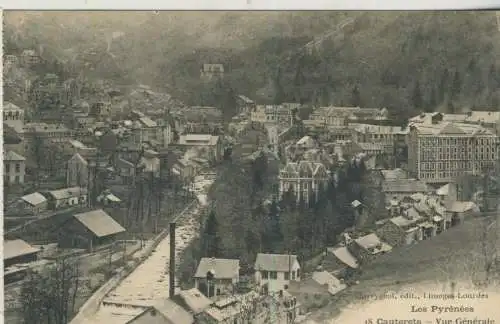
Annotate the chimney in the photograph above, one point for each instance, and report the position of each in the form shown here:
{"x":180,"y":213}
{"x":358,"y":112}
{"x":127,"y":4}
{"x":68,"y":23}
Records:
{"x":171,"y":286}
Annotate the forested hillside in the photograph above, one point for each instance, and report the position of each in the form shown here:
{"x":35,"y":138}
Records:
{"x":404,"y":61}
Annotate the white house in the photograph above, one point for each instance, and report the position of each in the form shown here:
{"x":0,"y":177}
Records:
{"x":276,"y":271}
{"x":216,"y":277}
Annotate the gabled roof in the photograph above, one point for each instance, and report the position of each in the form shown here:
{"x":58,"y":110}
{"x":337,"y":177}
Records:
{"x":326,"y":278}
{"x":405,"y":185}
{"x":274,"y":262}
{"x":67,"y":193}
{"x":169,"y":310}
{"x":345,"y":256}
{"x":193,"y":300}
{"x":99,"y":223}
{"x":10,"y":106}
{"x":444,"y":190}
{"x":372,"y":243}
{"x":34,"y":198}
{"x":461,"y":206}
{"x":222,"y":268}
{"x":15,"y":248}
{"x":13,"y":156}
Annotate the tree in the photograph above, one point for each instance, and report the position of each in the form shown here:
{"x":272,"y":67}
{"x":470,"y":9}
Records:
{"x":417,"y":96}
{"x":211,"y":238}
{"x":356,"y":97}
{"x":279,"y":92}
{"x":456,"y":85}
{"x":49,"y":296}
{"x":443,"y":85}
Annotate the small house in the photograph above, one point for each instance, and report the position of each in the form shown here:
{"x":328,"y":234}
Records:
{"x":126,"y":170}
{"x":340,"y":261}
{"x":163,"y":312}
{"x":458,"y":211}
{"x":402,"y":230}
{"x":34,"y":202}
{"x":365,"y":248}
{"x":215,"y":277}
{"x":275,"y":271}
{"x":67,"y":197}
{"x":14,"y":168}
{"x":316,"y":290}
{"x":192,"y":300}
{"x":18,"y":252}
{"x":88,"y":230}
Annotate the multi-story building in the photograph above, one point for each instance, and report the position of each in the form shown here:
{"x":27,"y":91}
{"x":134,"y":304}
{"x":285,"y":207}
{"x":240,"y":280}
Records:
{"x":36,"y":134}
{"x":275,"y":271}
{"x":14,"y":168}
{"x":13,"y":116}
{"x":306,"y":179}
{"x":144,"y":129}
{"x":245,"y":104}
{"x":30,"y":57}
{"x":387,"y":136}
{"x":439,"y":152}
{"x":211,"y":71}
{"x":275,"y":114}
{"x":341,"y":116}
{"x":208,"y":146}
{"x":488,"y":119}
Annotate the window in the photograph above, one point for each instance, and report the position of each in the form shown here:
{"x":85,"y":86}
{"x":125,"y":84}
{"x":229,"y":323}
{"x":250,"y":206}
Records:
{"x":293,"y":275}
{"x":18,"y":167}
{"x":287,"y":275}
{"x":17,"y":180}
{"x":265,"y":275}
{"x":7,"y":167}
{"x":298,"y":273}
{"x":273,"y":275}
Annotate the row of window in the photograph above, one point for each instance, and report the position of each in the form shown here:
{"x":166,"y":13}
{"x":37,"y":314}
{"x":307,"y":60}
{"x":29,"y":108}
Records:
{"x":17,"y":167}
{"x":273,"y":275}
{"x":458,"y":141}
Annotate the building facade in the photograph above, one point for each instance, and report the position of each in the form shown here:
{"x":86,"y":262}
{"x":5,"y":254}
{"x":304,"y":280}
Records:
{"x":14,"y":168}
{"x":305,"y":179}
{"x":13,"y":116}
{"x":275,"y":271}
{"x":440,"y":152}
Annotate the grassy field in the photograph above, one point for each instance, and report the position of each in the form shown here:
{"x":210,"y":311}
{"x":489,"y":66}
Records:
{"x":456,"y":255}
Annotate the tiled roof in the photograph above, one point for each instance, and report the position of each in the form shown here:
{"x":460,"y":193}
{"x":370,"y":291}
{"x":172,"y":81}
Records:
{"x":405,"y":185}
{"x":99,"y":223}
{"x":326,"y":278}
{"x":13,"y":156}
{"x":34,"y":198}
{"x":274,"y":262}
{"x":222,"y":268}
{"x":67,"y":192}
{"x":194,"y":300}
{"x":15,"y":248}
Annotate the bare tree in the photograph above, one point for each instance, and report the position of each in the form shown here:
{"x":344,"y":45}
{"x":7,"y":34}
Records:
{"x":49,"y":296}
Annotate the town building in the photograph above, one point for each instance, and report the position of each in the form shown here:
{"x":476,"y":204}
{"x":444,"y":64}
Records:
{"x":273,"y":272}
{"x":14,"y":168}
{"x":67,"y":197}
{"x":440,"y":152}
{"x":13,"y":116}
{"x":398,"y":189}
{"x":387,"y":136}
{"x":37,"y":134}
{"x":209,"y":146}
{"x":150,"y":164}
{"x":340,"y":261}
{"x":12,"y":140}
{"x":342,"y":116}
{"x":126,"y":170}
{"x":184,"y":169}
{"x":245,"y":104}
{"x":146,"y":130}
{"x":366,"y":248}
{"x":35,"y":203}
{"x":192,"y":300}
{"x":216,"y":277}
{"x":305,"y":179}
{"x":89,"y":230}
{"x":234,"y":309}
{"x":18,"y":252}
{"x":487,"y":119}
{"x":274,"y":114}
{"x":316,"y":290}
{"x":82,"y":167}
{"x":30,"y":57}
{"x":211,"y":71}
{"x":163,"y":312}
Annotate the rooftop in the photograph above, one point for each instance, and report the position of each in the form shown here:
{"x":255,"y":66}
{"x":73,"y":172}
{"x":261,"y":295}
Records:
{"x":67,"y":193}
{"x":13,"y":156}
{"x":193,"y":299}
{"x":34,"y":198}
{"x":9,"y":106}
{"x":221,"y":268}
{"x":198,"y":139}
{"x":345,"y":256}
{"x":99,"y":223}
{"x":16,"y":248}
{"x":372,"y":243}
{"x":275,"y":262}
{"x":326,"y":278}
{"x":450,"y":128}
{"x":405,"y":185}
